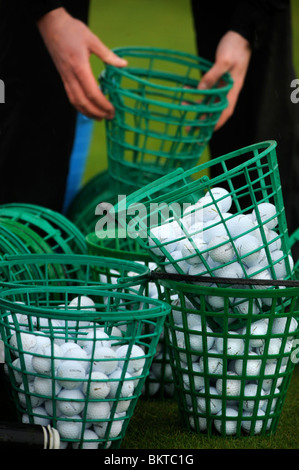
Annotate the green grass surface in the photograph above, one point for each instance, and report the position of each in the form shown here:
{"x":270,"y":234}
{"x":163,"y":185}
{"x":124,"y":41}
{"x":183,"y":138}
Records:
{"x":156,"y":424}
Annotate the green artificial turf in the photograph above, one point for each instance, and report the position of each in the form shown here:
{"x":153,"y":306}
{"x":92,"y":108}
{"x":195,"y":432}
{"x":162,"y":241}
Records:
{"x":156,"y":424}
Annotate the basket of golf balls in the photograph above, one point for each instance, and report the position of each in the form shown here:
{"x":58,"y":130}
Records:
{"x":72,"y":270}
{"x":231,"y":381}
{"x":162,"y":120}
{"x":159,"y":383}
{"x":231,"y":231}
{"x":42,"y":229}
{"x":79,"y":369}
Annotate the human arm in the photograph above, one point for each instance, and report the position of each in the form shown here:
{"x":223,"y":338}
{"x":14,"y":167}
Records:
{"x":245,"y":33}
{"x":70,"y":43}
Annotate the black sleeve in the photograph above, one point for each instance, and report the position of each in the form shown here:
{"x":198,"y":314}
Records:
{"x":251,"y":17}
{"x":38,"y":8}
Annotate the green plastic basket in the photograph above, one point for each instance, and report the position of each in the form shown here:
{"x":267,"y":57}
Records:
{"x":159,"y":383}
{"x":23,"y":236}
{"x":53,"y":228}
{"x":81,"y":372}
{"x":237,"y":229}
{"x":83,"y":209}
{"x":231,"y":381}
{"x":162,"y":120}
{"x":72,"y":270}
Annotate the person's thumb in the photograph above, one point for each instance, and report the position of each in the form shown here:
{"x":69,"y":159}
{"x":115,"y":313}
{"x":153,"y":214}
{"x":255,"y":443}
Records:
{"x":98,"y":48}
{"x":211,"y":77}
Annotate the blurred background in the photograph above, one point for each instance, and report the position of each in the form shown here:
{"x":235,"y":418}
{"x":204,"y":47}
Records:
{"x":165,"y":24}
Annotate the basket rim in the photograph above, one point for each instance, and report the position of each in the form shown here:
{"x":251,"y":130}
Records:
{"x":141,"y":271}
{"x":200,"y":63}
{"x":159,"y":307}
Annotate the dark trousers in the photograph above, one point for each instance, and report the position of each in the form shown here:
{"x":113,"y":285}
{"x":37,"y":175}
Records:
{"x":264,"y":110}
{"x":37,"y":122}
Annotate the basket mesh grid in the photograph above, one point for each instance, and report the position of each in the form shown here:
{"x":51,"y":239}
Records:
{"x":81,"y":370}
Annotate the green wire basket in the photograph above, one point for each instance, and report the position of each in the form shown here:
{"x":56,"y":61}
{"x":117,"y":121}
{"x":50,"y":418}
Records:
{"x":81,"y":370}
{"x":159,"y":383}
{"x":231,"y":381}
{"x":72,"y":270}
{"x":229,"y":226}
{"x":51,"y":229}
{"x":162,"y":120}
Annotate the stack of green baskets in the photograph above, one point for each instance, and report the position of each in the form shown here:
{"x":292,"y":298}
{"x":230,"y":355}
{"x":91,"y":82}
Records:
{"x":159,"y":383}
{"x":162,"y":120}
{"x":231,"y":368}
{"x":35,"y":229}
{"x":79,"y":369}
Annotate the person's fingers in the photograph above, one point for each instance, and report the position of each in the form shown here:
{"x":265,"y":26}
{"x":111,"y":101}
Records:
{"x":212,"y":76}
{"x":82,"y":102}
{"x":98,"y":48}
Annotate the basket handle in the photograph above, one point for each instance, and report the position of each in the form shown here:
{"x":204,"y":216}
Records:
{"x":159,"y":275}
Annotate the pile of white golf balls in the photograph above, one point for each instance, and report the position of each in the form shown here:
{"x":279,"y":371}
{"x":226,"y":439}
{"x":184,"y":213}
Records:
{"x":228,"y":374}
{"x":210,"y":240}
{"x":90,"y":381}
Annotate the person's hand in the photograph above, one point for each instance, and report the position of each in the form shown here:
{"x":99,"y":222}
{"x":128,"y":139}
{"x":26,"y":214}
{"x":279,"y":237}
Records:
{"x":70,"y":43}
{"x":232,"y":55}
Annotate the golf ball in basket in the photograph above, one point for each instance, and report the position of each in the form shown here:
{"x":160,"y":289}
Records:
{"x":267,"y":213}
{"x":231,"y":346}
{"x":252,"y":425}
{"x":230,"y":386}
{"x":104,"y":359}
{"x":221,"y":249}
{"x":70,"y":402}
{"x":47,"y":359}
{"x":131,"y":357}
{"x":98,"y":387}
{"x":70,"y":374}
{"x":69,"y":428}
{"x":210,"y":403}
{"x":222,"y":198}
{"x":224,"y":424}
{"x":250,"y":366}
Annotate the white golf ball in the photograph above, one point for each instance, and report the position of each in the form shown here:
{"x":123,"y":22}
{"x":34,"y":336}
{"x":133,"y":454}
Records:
{"x":257,"y":333}
{"x":28,"y":395}
{"x":162,"y":235}
{"x":267,"y":213}
{"x":47,"y":359}
{"x":248,"y":248}
{"x":70,"y":402}
{"x":233,"y":270}
{"x":194,"y":251}
{"x":177,"y":264}
{"x":229,"y":387}
{"x":252,"y":397}
{"x":121,"y":385}
{"x":192,"y":377}
{"x":199,"y":339}
{"x":133,"y":357}
{"x":96,"y":410}
{"x":48,"y":388}
{"x":252,"y":424}
{"x":27,"y":342}
{"x":211,"y":365}
{"x":231,"y":346}
{"x":211,"y":402}
{"x":221,"y":249}
{"x":39,"y":416}
{"x":104,"y":359}
{"x":70,"y":374}
{"x":112,"y":430}
{"x":280,"y":264}
{"x":227,"y":421}
{"x":90,"y":441}
{"x":222,"y":198}
{"x":94,"y":338}
{"x":98,"y":387}
{"x":284,"y":325}
{"x":250,"y":366}
{"x":78,"y":354}
{"x":69,"y":428}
